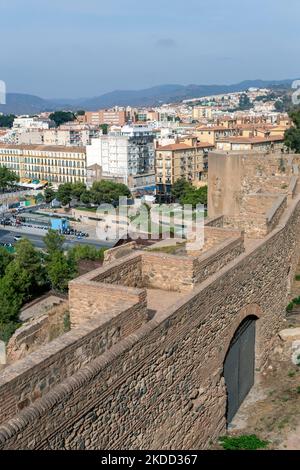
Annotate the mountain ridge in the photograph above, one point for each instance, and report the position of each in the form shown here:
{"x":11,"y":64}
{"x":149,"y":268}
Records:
{"x":21,"y":103}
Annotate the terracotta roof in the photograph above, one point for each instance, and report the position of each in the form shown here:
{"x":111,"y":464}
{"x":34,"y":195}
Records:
{"x":204,"y":144}
{"x":44,"y":148}
{"x":172,"y":147}
{"x":251,"y":140}
{"x":182,"y":146}
{"x":215,"y":128}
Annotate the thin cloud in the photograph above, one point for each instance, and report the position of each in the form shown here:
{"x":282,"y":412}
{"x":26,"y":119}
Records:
{"x":167,"y":43}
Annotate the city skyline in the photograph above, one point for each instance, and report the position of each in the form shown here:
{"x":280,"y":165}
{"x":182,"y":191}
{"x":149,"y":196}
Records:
{"x":73,"y":49}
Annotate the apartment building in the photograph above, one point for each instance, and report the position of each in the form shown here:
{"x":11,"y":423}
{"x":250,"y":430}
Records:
{"x":55,"y":164}
{"x":269,"y":143}
{"x":214,"y":133}
{"x":112,"y":117}
{"x":129,"y":151}
{"x":202,"y":112}
{"x":180,"y":160}
{"x":66,"y":135}
{"x":27,"y":122}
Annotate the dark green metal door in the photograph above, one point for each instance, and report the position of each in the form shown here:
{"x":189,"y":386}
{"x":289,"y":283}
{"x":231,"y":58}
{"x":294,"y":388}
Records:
{"x":239,"y":366}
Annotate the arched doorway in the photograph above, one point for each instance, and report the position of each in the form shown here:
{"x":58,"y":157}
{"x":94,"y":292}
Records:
{"x":239,"y":366}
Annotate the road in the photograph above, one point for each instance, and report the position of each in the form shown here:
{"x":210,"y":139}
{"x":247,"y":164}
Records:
{"x":7,"y":236}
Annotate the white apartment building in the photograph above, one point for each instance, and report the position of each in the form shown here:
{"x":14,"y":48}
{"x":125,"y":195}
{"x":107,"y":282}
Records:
{"x":27,"y":122}
{"x":68,"y":136}
{"x":130,"y":151}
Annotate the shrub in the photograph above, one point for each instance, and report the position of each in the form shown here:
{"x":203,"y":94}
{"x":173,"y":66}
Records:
{"x":246,"y":442}
{"x":67,"y":321}
{"x":290,"y":307}
{"x":297,"y":277}
{"x":81,"y":252}
{"x":7,"y":330}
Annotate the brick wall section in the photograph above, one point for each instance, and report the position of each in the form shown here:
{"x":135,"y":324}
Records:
{"x":162,"y":387}
{"x":32,"y":377}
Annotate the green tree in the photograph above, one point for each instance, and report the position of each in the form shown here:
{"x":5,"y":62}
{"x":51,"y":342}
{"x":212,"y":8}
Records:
{"x":30,"y":260}
{"x":7,"y":178}
{"x":245,"y":102}
{"x":279,"y":106}
{"x":108,"y":192}
{"x":195,"y":196}
{"x":49,"y":195}
{"x":77,"y":190}
{"x":60,"y":270}
{"x":80,"y":112}
{"x":5,"y":259}
{"x":7,"y":120}
{"x":39,"y":198}
{"x":54,"y":242}
{"x":180,"y":187}
{"x":85,"y":197}
{"x":13,"y":289}
{"x":60,"y":117}
{"x":64,"y":193}
{"x":81,"y":252}
{"x":104,"y":128}
{"x":292,"y":135}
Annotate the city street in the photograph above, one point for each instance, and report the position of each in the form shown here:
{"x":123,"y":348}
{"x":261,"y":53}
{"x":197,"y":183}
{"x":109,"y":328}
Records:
{"x":7,"y":236}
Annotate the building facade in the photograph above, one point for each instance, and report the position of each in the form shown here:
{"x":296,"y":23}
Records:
{"x":180,"y":160}
{"x":40,"y":162}
{"x":123,"y":154}
{"x":112,"y":117}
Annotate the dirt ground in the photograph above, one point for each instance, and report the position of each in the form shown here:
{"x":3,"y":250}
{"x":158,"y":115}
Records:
{"x":272,"y":408}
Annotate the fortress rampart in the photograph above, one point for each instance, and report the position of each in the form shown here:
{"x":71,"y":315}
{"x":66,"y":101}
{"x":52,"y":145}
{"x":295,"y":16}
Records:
{"x":125,"y":379}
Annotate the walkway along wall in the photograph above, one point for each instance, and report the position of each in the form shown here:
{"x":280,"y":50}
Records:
{"x":162,"y":387}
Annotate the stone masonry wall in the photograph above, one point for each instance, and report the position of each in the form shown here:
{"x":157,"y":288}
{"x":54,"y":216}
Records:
{"x":168,"y":272}
{"x":118,"y":252}
{"x":127,"y":273}
{"x":214,"y":259}
{"x":259,"y":214}
{"x":32,"y":335}
{"x":90,"y":299}
{"x":162,"y":387}
{"x":33,"y":376}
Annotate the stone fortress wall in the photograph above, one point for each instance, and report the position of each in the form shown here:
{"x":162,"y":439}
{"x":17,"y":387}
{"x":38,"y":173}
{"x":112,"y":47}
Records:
{"x":121,"y":379}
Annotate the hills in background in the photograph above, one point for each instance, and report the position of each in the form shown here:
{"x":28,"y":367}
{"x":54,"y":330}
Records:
{"x":18,"y":103}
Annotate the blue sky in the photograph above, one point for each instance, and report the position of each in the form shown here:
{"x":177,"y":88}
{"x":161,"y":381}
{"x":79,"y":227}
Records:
{"x":82,"y":48}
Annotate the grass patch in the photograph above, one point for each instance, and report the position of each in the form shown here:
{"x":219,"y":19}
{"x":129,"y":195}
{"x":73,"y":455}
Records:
{"x":291,"y":305}
{"x":88,"y":209}
{"x":67,"y":321}
{"x":291,"y":373}
{"x":246,"y":442}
